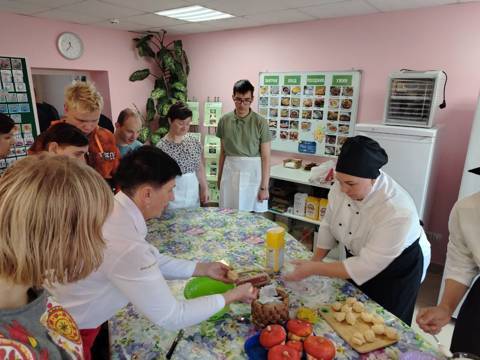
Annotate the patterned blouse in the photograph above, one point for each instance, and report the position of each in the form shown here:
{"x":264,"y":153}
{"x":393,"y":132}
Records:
{"x":187,"y":154}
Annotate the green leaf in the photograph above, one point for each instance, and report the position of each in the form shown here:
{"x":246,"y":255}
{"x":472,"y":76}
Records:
{"x":180,"y":96}
{"x":178,"y":49}
{"x":158,"y":93}
{"x":161,"y":131}
{"x":179,"y":86}
{"x":139,"y":75}
{"x":146,"y":50}
{"x":155,"y":138}
{"x":187,"y":63}
{"x":159,"y":84}
{"x":165,"y":109}
{"x":168,"y":62}
{"x":150,"y":109}
{"x":144,"y":40}
{"x":144,"y":134}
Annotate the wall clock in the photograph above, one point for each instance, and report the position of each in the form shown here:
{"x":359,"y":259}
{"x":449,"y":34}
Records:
{"x":70,"y":45}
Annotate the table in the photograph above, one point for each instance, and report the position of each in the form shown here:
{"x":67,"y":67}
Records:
{"x":210,"y":234}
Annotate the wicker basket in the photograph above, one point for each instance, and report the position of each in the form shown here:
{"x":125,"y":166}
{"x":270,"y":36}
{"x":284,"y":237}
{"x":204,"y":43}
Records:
{"x":273,"y":313}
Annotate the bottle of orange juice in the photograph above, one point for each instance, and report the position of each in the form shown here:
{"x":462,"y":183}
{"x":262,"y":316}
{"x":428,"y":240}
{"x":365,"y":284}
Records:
{"x":275,"y":248}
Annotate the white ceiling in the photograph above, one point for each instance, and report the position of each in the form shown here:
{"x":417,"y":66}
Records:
{"x":138,"y":15}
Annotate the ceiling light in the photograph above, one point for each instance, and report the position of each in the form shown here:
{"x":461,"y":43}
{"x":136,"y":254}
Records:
{"x":194,"y":13}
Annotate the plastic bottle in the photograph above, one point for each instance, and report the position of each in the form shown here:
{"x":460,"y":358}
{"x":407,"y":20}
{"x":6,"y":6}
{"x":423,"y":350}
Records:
{"x":275,"y":248}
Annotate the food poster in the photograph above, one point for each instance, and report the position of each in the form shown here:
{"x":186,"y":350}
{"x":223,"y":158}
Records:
{"x":211,"y":169}
{"x":309,"y":112}
{"x":16,"y":101}
{"x":194,"y":106}
{"x":213,"y":113}
{"x":212,"y":147}
{"x":197,"y":136}
{"x":213,"y":192}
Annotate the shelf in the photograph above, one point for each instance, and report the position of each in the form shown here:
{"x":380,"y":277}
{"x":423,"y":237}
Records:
{"x":296,"y":217}
{"x":298,"y":176}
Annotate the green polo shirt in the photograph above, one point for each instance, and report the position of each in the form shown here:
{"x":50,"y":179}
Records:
{"x":243,"y":136}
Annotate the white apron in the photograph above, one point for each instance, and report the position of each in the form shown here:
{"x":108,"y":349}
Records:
{"x":240,"y":184}
{"x":186,"y":192}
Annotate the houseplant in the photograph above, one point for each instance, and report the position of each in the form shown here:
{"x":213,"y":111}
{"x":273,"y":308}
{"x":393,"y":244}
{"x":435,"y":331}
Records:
{"x":170,"y":70}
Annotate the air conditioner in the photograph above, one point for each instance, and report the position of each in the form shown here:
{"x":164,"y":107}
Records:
{"x":414,"y":97}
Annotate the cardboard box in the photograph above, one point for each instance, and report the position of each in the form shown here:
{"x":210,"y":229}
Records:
{"x":299,"y":203}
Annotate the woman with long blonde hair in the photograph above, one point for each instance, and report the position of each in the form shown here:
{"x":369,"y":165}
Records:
{"x":52,"y":209}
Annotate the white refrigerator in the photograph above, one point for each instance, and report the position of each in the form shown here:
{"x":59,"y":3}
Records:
{"x":411,"y":153}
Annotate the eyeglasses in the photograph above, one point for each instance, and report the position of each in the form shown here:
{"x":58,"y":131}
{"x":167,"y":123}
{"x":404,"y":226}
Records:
{"x":242,"y":101}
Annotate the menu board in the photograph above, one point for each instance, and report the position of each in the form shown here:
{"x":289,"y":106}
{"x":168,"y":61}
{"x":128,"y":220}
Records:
{"x":17,"y":102}
{"x":309,"y":112}
{"x":213,"y":113}
{"x":194,"y":106}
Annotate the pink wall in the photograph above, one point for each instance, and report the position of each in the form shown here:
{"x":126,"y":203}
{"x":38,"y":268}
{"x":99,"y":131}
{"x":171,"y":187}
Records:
{"x":431,"y":38}
{"x":105,"y":50}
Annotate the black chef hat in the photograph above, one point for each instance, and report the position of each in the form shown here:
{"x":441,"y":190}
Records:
{"x":475,"y":171}
{"x":361,"y":156}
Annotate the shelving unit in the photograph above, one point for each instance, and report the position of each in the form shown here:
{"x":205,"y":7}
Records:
{"x":299,"y":180}
{"x":298,"y":176}
{"x":296,"y":217}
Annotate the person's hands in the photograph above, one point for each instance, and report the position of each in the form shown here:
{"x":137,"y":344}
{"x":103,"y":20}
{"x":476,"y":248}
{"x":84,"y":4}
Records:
{"x":244,"y":293}
{"x":303,"y":269}
{"x":203,"y":196}
{"x":432,"y":319}
{"x":214,"y":270}
{"x":263,"y":194}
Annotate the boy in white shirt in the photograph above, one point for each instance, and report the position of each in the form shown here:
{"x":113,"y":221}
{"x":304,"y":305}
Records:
{"x":133,"y":270}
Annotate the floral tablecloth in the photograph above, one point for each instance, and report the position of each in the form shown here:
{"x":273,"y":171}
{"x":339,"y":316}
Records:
{"x":212,"y":234}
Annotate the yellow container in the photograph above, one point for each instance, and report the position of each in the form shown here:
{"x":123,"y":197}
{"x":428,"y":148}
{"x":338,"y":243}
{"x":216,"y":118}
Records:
{"x":274,"y":248}
{"x":323,"y":208}
{"x":312,"y":205}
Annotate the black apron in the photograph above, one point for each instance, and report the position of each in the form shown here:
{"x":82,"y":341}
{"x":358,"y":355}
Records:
{"x":467,"y":327}
{"x":396,"y":287}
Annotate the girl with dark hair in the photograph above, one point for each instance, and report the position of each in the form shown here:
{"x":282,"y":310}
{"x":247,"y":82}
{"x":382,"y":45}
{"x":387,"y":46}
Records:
{"x":7,"y":139}
{"x":186,"y":150}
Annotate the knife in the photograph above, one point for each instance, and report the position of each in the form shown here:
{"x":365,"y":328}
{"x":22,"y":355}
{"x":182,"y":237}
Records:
{"x":174,"y":344}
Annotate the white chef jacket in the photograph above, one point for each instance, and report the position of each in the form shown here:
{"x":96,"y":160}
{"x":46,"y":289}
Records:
{"x":375,"y":230}
{"x":463,"y":253}
{"x":133,"y":271}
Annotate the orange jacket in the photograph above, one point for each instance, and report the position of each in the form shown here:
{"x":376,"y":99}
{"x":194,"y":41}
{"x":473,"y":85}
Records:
{"x":103,"y":154}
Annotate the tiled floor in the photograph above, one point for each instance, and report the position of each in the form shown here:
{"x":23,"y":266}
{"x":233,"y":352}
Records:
{"x":428,"y":296}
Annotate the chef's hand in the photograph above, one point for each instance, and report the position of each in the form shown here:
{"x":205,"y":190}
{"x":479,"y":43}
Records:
{"x":303,"y":269}
{"x":214,"y":270}
{"x":263,"y":194}
{"x":433,"y":319}
{"x":245,"y":293}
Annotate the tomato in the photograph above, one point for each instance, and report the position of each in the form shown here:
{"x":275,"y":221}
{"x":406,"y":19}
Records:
{"x":319,"y":348}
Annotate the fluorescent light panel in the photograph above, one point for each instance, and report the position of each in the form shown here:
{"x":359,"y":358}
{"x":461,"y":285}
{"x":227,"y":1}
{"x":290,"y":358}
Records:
{"x":194,"y":13}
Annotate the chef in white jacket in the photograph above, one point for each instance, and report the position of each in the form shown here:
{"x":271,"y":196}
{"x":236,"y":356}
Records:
{"x":377,"y":222}
{"x":462,"y":270}
{"x":133,"y":270}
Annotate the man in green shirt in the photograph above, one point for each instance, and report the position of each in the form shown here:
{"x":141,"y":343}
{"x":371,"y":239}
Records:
{"x":244,"y":166}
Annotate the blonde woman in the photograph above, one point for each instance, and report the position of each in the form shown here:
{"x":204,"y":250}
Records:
{"x":52,"y":209}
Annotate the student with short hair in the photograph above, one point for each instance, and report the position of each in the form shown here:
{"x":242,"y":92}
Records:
{"x":244,"y":163}
{"x":83,"y":105}
{"x":127,"y":130}
{"x":46,"y":236}
{"x":7,"y":139}
{"x":64,"y":139}
{"x":133,"y":270}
